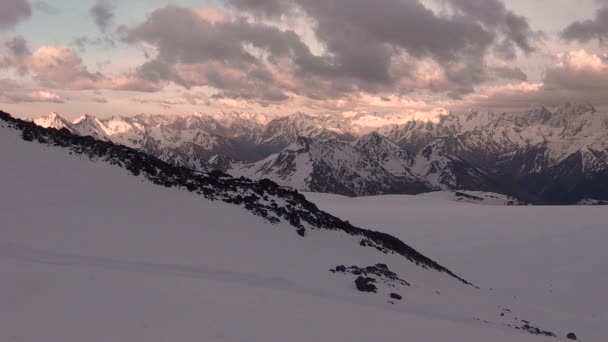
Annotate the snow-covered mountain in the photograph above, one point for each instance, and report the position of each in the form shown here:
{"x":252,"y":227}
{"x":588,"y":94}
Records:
{"x":336,"y":167}
{"x":540,"y":155}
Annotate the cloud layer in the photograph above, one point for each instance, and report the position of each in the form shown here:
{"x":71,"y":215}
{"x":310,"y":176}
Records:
{"x":385,"y":47}
{"x":330,"y":55}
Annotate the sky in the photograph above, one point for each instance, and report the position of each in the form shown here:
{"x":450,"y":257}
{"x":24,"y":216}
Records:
{"x":110,"y":57}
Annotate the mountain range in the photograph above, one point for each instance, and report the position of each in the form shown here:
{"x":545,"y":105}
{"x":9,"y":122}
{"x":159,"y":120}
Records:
{"x":541,"y":156}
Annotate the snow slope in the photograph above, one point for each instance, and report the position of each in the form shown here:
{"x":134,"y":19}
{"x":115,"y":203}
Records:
{"x":90,"y":253}
{"x":550,"y":259}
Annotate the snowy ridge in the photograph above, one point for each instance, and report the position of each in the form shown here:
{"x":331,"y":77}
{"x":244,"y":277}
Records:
{"x":368,"y":166}
{"x":260,"y":198}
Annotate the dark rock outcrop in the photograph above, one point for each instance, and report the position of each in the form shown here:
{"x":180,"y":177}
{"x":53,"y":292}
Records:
{"x":366,"y":284}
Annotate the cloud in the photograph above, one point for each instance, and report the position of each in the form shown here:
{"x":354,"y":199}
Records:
{"x":239,"y":58}
{"x":386,"y":47}
{"x":17,"y":47}
{"x":577,"y":76}
{"x":515,"y":29}
{"x":62,"y":68}
{"x":581,"y":72}
{"x":362,"y":37}
{"x":103,"y":14}
{"x":83,"y":42}
{"x":35,"y":96}
{"x":7,"y":84}
{"x":45,"y":7}
{"x":17,"y":50}
{"x":12,"y":12}
{"x":587,"y":30}
{"x":197,"y":99}
{"x":99,"y":100}
{"x":163,"y":103}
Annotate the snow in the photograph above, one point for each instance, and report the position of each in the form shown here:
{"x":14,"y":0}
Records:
{"x":91,"y":253}
{"x":547,"y":259}
{"x":51,"y":120}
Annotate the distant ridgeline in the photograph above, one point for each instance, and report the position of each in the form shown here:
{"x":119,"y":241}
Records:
{"x":539,"y":156}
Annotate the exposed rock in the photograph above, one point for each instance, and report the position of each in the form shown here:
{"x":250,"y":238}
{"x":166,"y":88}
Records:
{"x":396,"y":296}
{"x":301,"y":231}
{"x":365,"y":284}
{"x":380,"y":271}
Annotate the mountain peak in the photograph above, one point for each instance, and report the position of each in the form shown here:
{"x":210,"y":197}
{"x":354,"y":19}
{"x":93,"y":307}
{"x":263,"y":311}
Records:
{"x":576,"y":108}
{"x":52,"y":120}
{"x":84,"y":118}
{"x":374,"y":138}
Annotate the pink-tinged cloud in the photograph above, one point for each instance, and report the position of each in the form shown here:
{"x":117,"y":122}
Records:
{"x":62,"y":68}
{"x":578,"y":76}
{"x":31,"y":97}
{"x":163,"y":103}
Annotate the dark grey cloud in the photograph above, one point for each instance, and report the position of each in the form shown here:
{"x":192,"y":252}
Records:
{"x":363,"y":37}
{"x":18,"y":47}
{"x":494,"y":14}
{"x":16,"y":50}
{"x":367,"y":46}
{"x":83,"y":42}
{"x":587,"y":30}
{"x":508,"y":73}
{"x":103,"y":13}
{"x":193,"y":51}
{"x":12,"y":12}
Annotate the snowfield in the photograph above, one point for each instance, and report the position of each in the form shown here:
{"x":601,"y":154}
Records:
{"x":90,"y":253}
{"x":551,"y":258}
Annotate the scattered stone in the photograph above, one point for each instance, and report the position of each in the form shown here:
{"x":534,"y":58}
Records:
{"x":535,"y":331}
{"x":572,"y":336}
{"x":380,"y":271}
{"x":396,"y":296}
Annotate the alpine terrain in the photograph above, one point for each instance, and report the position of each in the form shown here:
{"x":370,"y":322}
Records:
{"x":540,"y":156}
{"x":103,"y":242}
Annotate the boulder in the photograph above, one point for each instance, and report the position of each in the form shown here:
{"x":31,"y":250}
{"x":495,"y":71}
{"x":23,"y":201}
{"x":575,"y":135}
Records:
{"x":365,"y":284}
{"x":396,"y":296}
